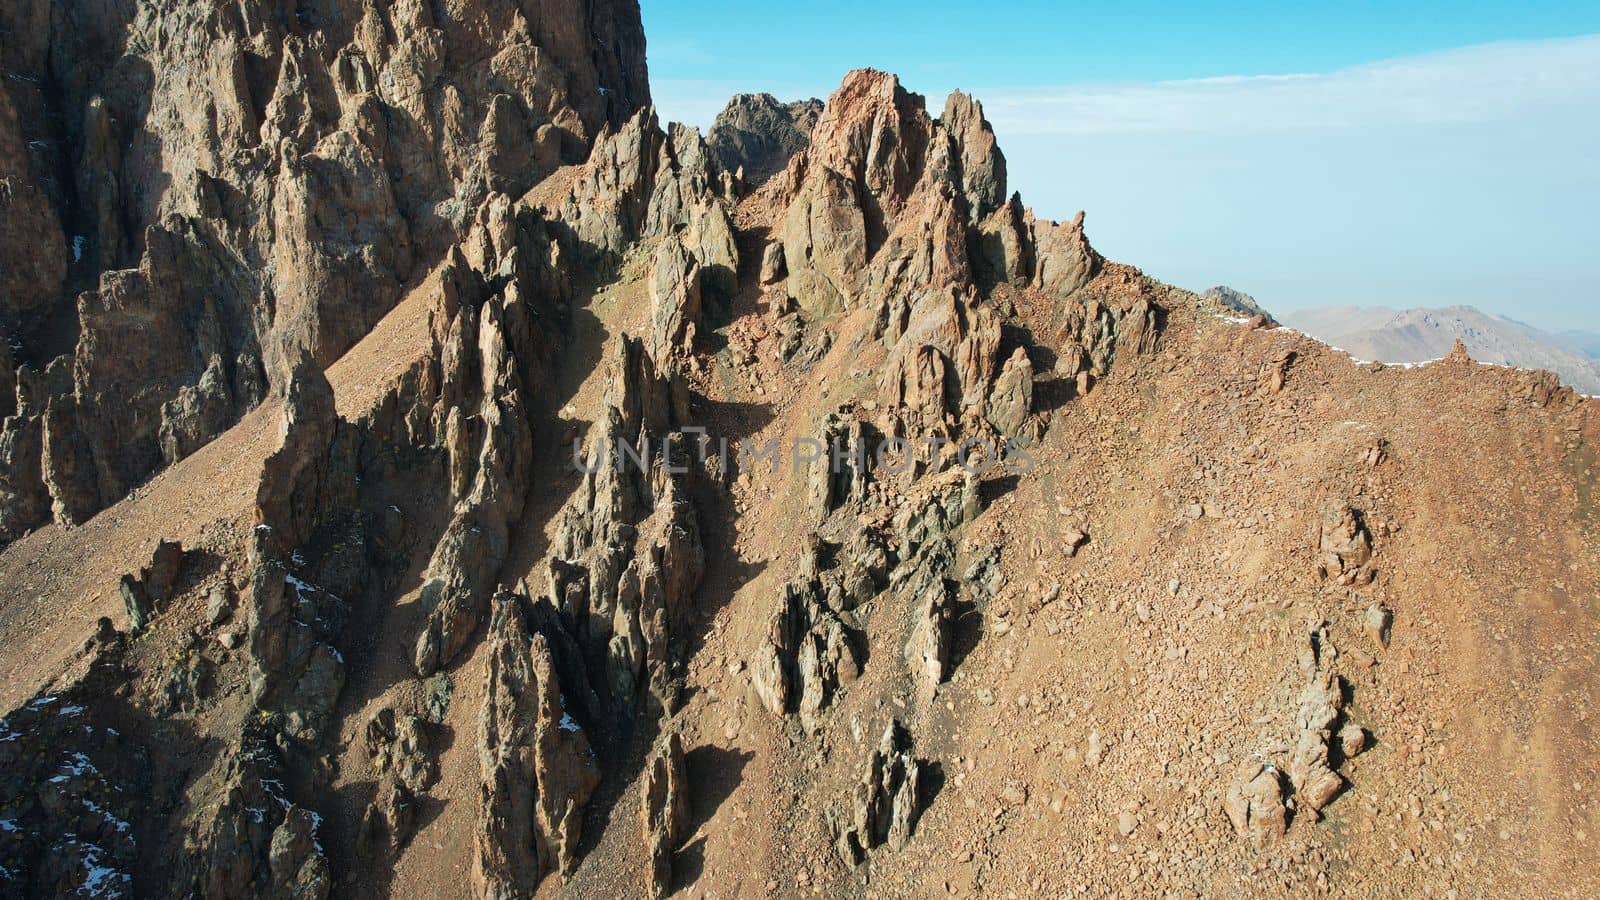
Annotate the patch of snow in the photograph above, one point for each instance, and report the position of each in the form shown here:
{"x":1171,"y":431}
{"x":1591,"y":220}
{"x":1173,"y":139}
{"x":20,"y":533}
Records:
{"x":8,"y":825}
{"x":98,"y":881}
{"x":69,"y":710}
{"x":569,"y":724}
{"x":42,"y":702}
{"x":104,"y":813}
{"x":76,"y":764}
{"x":78,"y":242}
{"x":300,"y":586}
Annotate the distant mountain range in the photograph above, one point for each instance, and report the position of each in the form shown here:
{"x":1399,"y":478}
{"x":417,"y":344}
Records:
{"x":1417,"y":335}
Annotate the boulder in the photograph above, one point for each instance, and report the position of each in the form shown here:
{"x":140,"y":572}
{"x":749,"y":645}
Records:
{"x":1254,"y":802}
{"x":1011,"y":401}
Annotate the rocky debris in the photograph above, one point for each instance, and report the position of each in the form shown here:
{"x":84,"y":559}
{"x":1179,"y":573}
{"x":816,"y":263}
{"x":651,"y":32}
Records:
{"x":1254,"y":802}
{"x":757,"y":135}
{"x":884,"y":804}
{"x":538,"y":771}
{"x":399,"y":744}
{"x":665,"y":809}
{"x":1344,"y":546}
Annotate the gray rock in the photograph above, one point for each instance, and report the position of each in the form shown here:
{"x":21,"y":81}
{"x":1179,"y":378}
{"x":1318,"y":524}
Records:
{"x":665,"y":812}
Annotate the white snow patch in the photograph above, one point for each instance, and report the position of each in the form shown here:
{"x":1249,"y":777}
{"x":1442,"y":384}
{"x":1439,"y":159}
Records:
{"x":569,"y":724}
{"x":69,"y":710}
{"x":76,"y":764}
{"x":8,"y":825}
{"x":78,"y":242}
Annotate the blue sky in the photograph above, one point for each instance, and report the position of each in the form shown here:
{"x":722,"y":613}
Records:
{"x":1399,"y":154}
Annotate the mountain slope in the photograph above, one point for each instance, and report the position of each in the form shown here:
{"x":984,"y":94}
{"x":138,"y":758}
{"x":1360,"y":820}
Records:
{"x":1218,"y":611}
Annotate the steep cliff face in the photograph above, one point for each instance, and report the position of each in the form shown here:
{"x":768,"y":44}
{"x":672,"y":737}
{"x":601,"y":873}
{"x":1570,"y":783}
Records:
{"x":425,"y":430}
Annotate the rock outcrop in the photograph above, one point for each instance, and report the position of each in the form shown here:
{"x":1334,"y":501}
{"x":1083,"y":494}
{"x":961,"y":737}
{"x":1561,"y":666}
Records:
{"x":884,"y":805}
{"x":1344,"y":546}
{"x":757,"y":135}
{"x":627,"y":554}
{"x":808,"y":652}
{"x":538,"y":771}
{"x":332,"y":157}
{"x":1254,"y":802}
{"x":665,"y":809}
{"x":1263,"y":798}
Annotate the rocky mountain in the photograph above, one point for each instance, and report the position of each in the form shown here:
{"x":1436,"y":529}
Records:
{"x":445,"y":480}
{"x":1419,"y":335}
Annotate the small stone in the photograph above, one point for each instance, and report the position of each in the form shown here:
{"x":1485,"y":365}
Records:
{"x":1377,"y":622}
{"x":1127,"y":822}
{"x":1352,"y":739}
{"x":219,"y":606}
{"x":1073,"y":539}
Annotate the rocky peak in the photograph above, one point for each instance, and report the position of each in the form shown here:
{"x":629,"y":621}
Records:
{"x":758,"y":135}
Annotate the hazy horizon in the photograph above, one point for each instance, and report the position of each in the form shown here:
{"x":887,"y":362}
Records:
{"x":1392,"y":168}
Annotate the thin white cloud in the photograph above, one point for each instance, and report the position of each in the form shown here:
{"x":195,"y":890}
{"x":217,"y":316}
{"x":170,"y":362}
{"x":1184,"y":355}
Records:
{"x":1484,"y":83}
